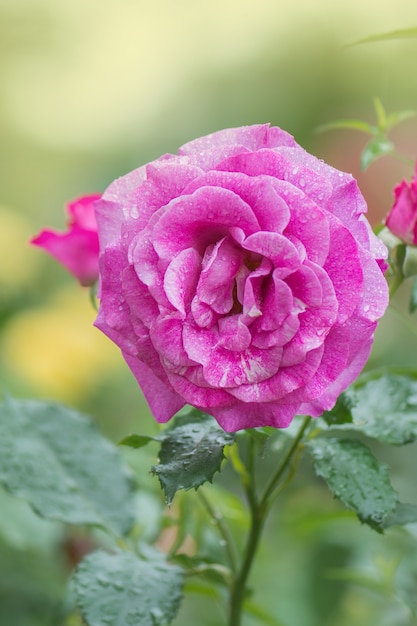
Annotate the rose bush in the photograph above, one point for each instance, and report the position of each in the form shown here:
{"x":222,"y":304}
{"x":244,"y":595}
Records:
{"x":240,"y":277}
{"x":402,"y":219}
{"x":77,"y":249}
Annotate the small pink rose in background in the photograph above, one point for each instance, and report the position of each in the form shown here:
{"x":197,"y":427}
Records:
{"x":78,"y":248}
{"x":241,"y":277}
{"x":402,"y":219}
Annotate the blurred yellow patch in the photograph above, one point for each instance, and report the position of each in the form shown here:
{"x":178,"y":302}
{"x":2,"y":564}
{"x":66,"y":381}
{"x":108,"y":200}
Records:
{"x":18,"y":265}
{"x":57,"y":350}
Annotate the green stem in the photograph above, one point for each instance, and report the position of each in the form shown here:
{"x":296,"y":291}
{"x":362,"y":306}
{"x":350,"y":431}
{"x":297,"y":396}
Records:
{"x":239,"y":584}
{"x":273,"y":483}
{"x":259,"y":509}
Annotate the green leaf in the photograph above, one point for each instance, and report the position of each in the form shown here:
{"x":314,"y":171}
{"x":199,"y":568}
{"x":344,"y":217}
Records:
{"x":356,"y":478}
{"x":375,"y":148}
{"x":413,"y":296}
{"x":381,"y":116}
{"x":395,"y":118}
{"x":136,"y":441}
{"x":386,"y":409}
{"x":348,"y":124}
{"x":405,"y":33}
{"x":55,"y":459}
{"x":191,"y":452}
{"x":120,"y":589}
{"x":342,"y":411}
{"x":403,"y":514}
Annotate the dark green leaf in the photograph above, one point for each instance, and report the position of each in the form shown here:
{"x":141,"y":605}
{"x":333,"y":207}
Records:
{"x":413,"y":296}
{"x":121,"y":589}
{"x":375,"y":148}
{"x":403,"y":514}
{"x":342,"y":411}
{"x":55,"y":458}
{"x":191,"y":452}
{"x":355,"y":476}
{"x":136,"y":441}
{"x":386,"y":409}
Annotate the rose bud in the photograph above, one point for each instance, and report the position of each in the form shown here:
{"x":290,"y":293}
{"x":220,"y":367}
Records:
{"x":77,"y":249}
{"x":402,"y":219}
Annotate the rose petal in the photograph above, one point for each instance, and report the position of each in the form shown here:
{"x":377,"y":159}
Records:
{"x":238,"y":417}
{"x":261,"y":193}
{"x":200,"y":219}
{"x":181,"y":278}
{"x":250,"y":137}
{"x":163,"y":400}
{"x":220,"y":266}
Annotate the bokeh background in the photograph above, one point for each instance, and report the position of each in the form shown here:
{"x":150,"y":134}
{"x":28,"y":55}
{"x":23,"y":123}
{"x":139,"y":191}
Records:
{"x":90,"y":89}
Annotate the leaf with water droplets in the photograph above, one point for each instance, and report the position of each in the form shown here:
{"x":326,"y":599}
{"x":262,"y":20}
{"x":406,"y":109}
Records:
{"x":191,"y":452}
{"x":56,"y":460}
{"x":121,"y":589}
{"x":356,"y":477}
{"x":386,"y":409}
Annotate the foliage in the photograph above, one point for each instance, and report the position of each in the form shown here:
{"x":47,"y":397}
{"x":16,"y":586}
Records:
{"x":122,"y":580}
{"x":380,"y":144}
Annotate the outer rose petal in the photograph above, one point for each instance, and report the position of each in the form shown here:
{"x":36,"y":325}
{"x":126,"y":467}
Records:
{"x":240,"y":277}
{"x":163,"y":401}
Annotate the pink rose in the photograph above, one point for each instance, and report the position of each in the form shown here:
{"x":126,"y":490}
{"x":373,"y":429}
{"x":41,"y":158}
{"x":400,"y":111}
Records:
{"x":402,"y":219}
{"x":240,"y":277}
{"x":77,"y":249}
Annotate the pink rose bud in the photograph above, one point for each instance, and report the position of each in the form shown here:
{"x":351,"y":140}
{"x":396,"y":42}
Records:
{"x":402,"y":219}
{"x":77,"y":249}
{"x":241,"y":277}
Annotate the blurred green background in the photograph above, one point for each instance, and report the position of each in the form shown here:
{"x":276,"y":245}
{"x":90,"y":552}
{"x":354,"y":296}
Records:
{"x":92,"y":89}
